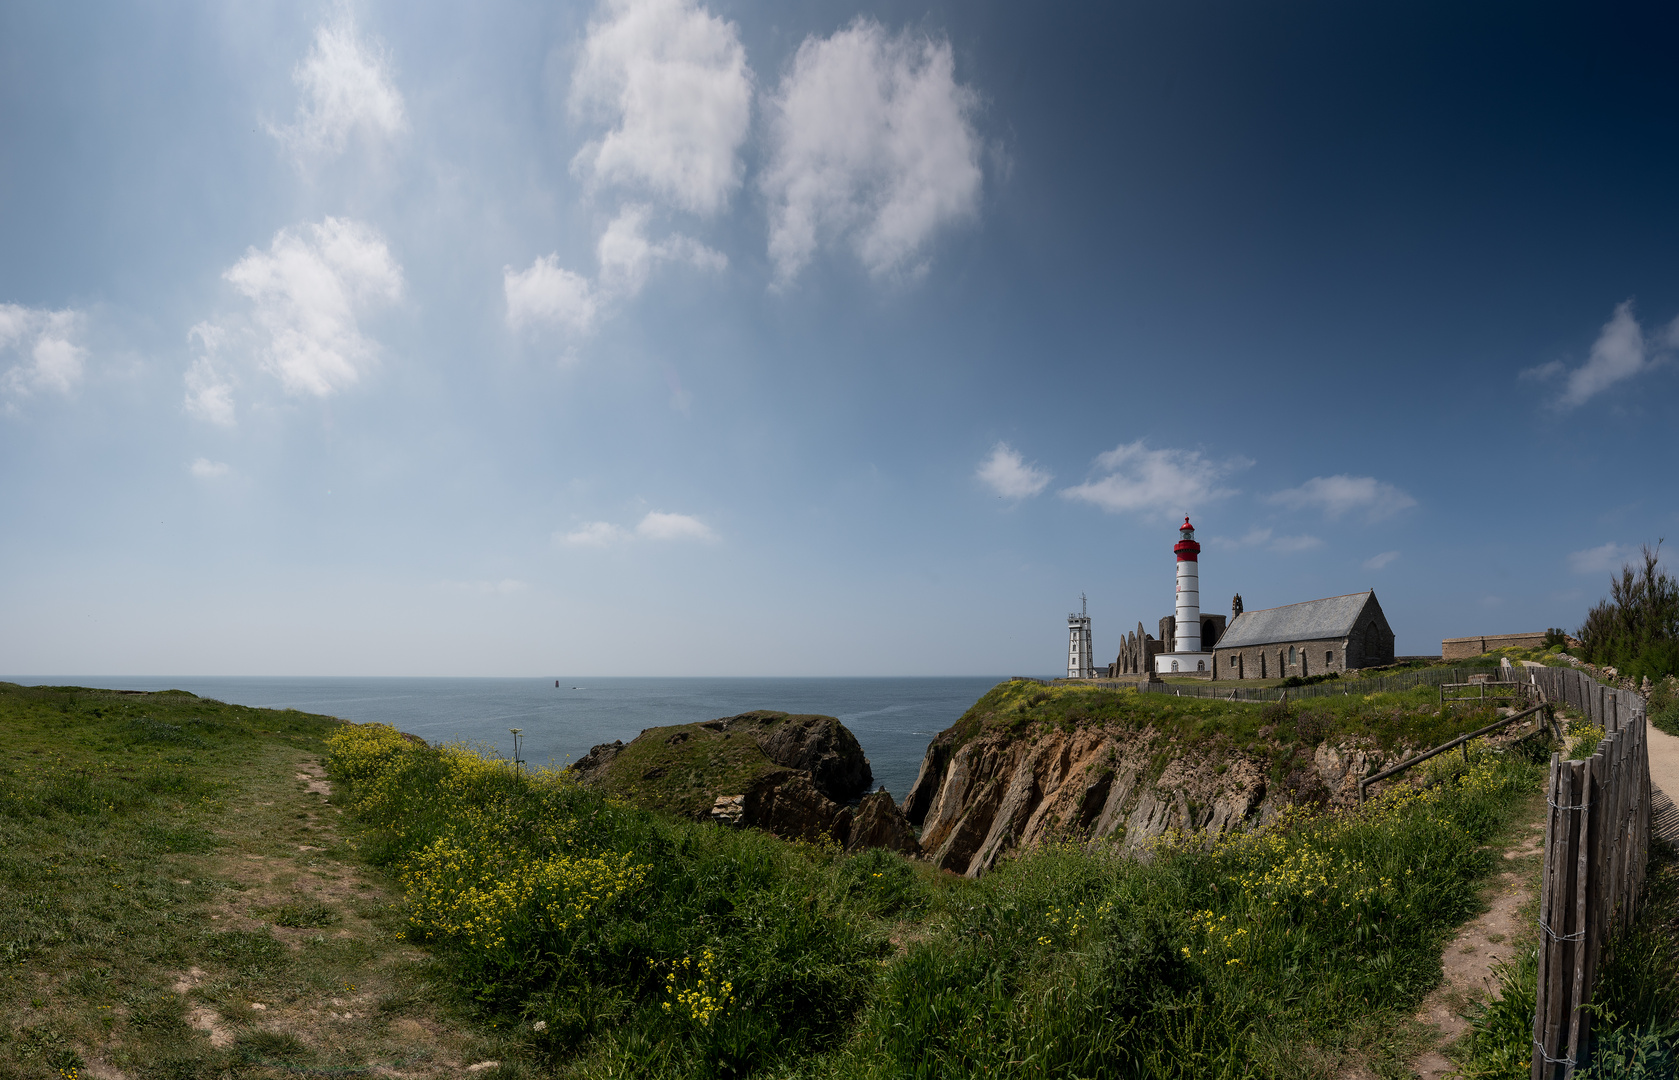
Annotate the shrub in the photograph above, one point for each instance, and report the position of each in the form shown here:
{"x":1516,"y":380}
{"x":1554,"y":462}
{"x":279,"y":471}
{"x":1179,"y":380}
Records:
{"x":1637,"y":629}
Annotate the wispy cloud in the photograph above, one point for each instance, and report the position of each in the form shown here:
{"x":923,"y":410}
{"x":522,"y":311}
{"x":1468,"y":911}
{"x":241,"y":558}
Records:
{"x":1268,"y":539}
{"x":1339,"y":495}
{"x":209,"y":383}
{"x":345,"y":86}
{"x":45,"y":345}
{"x":656,"y":526}
{"x":1007,"y":473}
{"x":504,"y":587}
{"x":1376,"y":562}
{"x":1620,"y":352}
{"x":671,"y":81}
{"x":1605,"y":558}
{"x":547,"y":294}
{"x":872,"y":143}
{"x":599,"y":534}
{"x":308,"y":291}
{"x":205,"y":469}
{"x":1156,"y":481}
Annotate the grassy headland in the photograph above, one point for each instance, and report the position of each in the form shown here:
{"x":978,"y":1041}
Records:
{"x":563,"y":931}
{"x":629,"y":943}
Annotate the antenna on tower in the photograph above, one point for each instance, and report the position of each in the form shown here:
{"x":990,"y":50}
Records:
{"x":1083,"y":608}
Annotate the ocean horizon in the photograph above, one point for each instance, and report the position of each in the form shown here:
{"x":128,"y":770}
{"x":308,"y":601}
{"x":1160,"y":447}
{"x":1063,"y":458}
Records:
{"x":893,"y":717}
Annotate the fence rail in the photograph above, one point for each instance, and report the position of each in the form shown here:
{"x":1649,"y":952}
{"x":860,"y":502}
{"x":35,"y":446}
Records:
{"x":1403,"y":680}
{"x":1462,"y":740}
{"x":1597,"y":837}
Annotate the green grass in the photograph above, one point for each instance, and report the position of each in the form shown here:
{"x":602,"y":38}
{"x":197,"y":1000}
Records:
{"x":683,"y":770}
{"x":1411,"y":718}
{"x":1287,"y":953}
{"x":145,"y":837}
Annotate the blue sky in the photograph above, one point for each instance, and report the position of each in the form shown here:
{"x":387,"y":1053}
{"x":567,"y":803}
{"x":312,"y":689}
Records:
{"x":665,"y":337}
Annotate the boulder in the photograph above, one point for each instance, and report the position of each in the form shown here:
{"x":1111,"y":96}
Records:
{"x":818,"y":745}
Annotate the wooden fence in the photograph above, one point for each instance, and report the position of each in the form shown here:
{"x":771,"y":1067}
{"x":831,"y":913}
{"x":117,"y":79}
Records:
{"x":1597,"y":838}
{"x":1368,"y":684}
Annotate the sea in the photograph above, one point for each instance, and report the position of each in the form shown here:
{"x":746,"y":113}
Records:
{"x":560,"y":719}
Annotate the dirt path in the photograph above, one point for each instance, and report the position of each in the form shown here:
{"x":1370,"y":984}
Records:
{"x":1664,"y":780}
{"x":343,"y":993}
{"x":1480,"y":943}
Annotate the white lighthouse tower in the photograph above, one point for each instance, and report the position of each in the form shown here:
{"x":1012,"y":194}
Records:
{"x":1081,"y":663}
{"x":1186,"y":655}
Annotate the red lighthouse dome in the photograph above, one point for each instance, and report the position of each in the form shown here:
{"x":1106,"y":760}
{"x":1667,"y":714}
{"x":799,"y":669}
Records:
{"x":1186,"y":548}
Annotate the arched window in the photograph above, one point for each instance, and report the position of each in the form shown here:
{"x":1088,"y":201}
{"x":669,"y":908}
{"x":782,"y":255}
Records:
{"x":1291,"y":655}
{"x":1200,"y":665}
{"x":1174,"y":665}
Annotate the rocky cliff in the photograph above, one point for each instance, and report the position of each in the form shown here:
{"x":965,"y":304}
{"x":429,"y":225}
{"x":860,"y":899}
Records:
{"x":801,"y":777}
{"x":1028,"y":765}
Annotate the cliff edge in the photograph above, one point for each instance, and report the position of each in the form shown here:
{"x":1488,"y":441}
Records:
{"x":801,"y":777}
{"x":1031,"y":763}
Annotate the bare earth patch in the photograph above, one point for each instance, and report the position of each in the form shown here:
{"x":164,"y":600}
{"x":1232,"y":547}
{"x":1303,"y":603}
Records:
{"x":1494,"y":935}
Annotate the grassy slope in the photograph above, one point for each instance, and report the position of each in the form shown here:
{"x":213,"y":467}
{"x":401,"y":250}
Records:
{"x":648,"y":946}
{"x":683,"y":768}
{"x":1279,"y":734}
{"x":151,"y":847}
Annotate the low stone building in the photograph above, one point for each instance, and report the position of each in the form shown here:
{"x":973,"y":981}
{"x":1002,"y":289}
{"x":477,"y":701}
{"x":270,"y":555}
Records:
{"x":1461,"y":648}
{"x":1340,"y":633}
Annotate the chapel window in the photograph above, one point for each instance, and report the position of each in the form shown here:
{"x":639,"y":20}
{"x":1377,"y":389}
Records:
{"x":1291,"y":654}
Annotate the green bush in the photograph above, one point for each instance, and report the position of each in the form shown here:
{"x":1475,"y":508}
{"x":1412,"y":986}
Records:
{"x":1636,"y":630}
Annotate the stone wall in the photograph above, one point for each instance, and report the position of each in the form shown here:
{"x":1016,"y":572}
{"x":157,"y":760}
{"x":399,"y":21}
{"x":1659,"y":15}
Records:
{"x":1271,"y":661}
{"x":1461,"y":648}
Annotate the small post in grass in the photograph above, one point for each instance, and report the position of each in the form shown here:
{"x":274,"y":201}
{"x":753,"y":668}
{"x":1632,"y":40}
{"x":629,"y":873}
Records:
{"x":517,"y":760}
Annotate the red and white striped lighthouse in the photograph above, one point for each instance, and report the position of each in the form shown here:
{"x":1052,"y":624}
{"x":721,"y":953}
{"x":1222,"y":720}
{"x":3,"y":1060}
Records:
{"x":1186,"y":655}
{"x":1189,"y":589}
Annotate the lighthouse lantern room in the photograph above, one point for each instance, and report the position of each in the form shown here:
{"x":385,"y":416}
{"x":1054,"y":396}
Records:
{"x":1186,"y":657}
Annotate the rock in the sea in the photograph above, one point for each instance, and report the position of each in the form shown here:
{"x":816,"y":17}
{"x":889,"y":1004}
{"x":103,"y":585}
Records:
{"x":793,"y":776}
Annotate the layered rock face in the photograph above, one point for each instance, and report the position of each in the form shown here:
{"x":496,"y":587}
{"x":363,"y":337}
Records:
{"x":998,"y":792}
{"x":801,"y":777}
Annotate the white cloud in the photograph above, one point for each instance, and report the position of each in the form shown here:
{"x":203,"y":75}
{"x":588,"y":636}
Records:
{"x":44,"y":342}
{"x":1377,"y":562}
{"x":205,"y":469}
{"x":1605,"y":558}
{"x":655,"y":526}
{"x":1266,"y":538}
{"x":658,"y":526}
{"x":346,"y":87}
{"x":1007,"y":473}
{"x":1340,"y":494}
{"x":594,"y":534}
{"x":1619,"y":353}
{"x":627,"y":257}
{"x":672,"y":81}
{"x":1152,"y":481}
{"x":209,"y":388}
{"x":308,"y":289}
{"x":549,"y":294}
{"x":872,"y":141}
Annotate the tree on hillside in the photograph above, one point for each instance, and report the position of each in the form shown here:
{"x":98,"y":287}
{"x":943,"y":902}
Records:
{"x":1636,"y":630}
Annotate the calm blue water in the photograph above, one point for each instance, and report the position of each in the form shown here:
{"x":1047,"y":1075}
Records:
{"x":894,"y":719}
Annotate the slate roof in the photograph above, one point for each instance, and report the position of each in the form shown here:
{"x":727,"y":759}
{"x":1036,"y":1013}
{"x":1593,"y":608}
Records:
{"x":1313,"y":620}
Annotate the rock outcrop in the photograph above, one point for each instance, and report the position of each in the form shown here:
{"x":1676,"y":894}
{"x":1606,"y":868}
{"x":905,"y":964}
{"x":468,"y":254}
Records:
{"x":800,"y":777}
{"x":999,"y":791}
